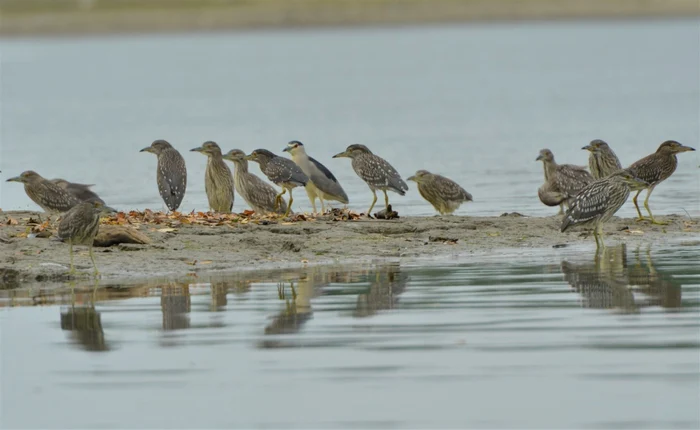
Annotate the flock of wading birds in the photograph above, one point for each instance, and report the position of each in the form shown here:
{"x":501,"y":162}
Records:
{"x":591,"y":197}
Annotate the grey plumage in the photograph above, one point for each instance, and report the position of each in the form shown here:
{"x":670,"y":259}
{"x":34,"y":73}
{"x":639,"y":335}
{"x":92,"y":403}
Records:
{"x":444,"y":194}
{"x":259,"y":195}
{"x":565,"y":179}
{"x":79,"y":226}
{"x":654,"y":169}
{"x":597,"y":202}
{"x":602,"y":161}
{"x":49,"y":196}
{"x":218,"y":180}
{"x":281,"y":171}
{"x":171,"y":173}
{"x":377,"y":173}
{"x":80,"y":191}
{"x":322,"y":183}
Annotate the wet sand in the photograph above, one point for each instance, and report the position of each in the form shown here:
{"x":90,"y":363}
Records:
{"x":187,"y":249}
{"x":42,"y":17}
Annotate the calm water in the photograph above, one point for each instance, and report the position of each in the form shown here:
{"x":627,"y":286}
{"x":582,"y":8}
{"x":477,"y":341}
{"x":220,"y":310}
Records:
{"x":475,"y":103}
{"x":554,"y":339}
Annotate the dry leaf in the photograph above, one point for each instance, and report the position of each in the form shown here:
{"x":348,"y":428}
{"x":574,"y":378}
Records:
{"x":12,"y":221}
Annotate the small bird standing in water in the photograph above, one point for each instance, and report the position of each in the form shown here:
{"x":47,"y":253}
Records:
{"x":79,"y":226}
{"x":171,"y":173}
{"x":444,"y":194}
{"x":218,"y":181}
{"x":282,"y":172}
{"x":377,"y":173}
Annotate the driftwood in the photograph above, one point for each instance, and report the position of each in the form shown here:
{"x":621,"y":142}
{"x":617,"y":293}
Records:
{"x":109,"y":235}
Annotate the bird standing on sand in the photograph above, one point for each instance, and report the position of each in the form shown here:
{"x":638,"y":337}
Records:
{"x":282,"y":172}
{"x":602,"y":162}
{"x":598,"y":201}
{"x":444,"y":194}
{"x":81,"y":192}
{"x":654,"y":169}
{"x":79,"y":226}
{"x":49,"y":196}
{"x":562,"y":181}
{"x":218,"y":181}
{"x":322,"y":183}
{"x":171,"y":173}
{"x":259,"y":195}
{"x":377,"y":173}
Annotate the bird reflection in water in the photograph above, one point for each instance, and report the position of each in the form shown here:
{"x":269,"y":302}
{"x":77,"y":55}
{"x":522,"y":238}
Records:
{"x":176,"y":305}
{"x":386,"y":284}
{"x":84,"y":323}
{"x":608,"y":282}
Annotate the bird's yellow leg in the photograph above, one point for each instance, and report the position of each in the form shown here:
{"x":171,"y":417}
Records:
{"x":386,"y":202}
{"x":278,"y":199}
{"x":646,"y":206}
{"x":323,"y":206}
{"x":634,"y":200}
{"x":561,"y":209}
{"x":599,"y":230}
{"x":92,"y":257}
{"x":72,"y":268}
{"x":369,"y":211}
{"x":289,"y":205}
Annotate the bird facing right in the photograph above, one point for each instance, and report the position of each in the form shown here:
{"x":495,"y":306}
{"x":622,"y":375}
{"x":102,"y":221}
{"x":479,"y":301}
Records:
{"x":171,"y":174}
{"x":282,"y":172}
{"x":602,"y":162}
{"x":377,"y":173}
{"x":259,"y":195}
{"x":654,"y":169}
{"x":79,"y":226}
{"x":444,"y":194}
{"x":218,"y":181}
{"x":598,"y":201}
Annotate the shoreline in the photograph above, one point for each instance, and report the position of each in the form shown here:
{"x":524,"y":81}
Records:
{"x":191,"y":249}
{"x":36,"y":18}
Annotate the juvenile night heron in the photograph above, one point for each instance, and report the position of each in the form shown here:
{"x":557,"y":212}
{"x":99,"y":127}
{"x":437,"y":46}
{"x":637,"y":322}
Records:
{"x":377,"y":173}
{"x":282,"y":172}
{"x":322,"y":183}
{"x":561,"y":180}
{"x":444,"y":194}
{"x":598,"y":201}
{"x":218,"y":181}
{"x":654,"y":169}
{"x":259,"y":195}
{"x":171,"y":173}
{"x":81,"y":192}
{"x":602,"y":162}
{"x":79,"y":226}
{"x":49,"y":196}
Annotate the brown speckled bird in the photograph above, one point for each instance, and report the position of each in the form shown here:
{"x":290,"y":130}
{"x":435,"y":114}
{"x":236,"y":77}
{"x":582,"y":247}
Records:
{"x":218,"y":180}
{"x":444,"y":194}
{"x":49,"y":196}
{"x":259,"y":195}
{"x":654,"y":169}
{"x":79,"y":226}
{"x":171,"y":174}
{"x":562,"y":180}
{"x":602,"y":162}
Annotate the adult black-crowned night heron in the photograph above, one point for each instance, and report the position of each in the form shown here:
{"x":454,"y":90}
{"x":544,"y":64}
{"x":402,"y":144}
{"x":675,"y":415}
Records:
{"x":218,"y":181}
{"x":598,"y":201}
{"x":444,"y":194}
{"x":282,"y":172}
{"x":322,"y":183}
{"x":654,"y":169}
{"x":259,"y":195}
{"x":561,"y":180}
{"x":171,"y":173}
{"x":80,"y":191}
{"x":377,"y":173}
{"x":45,"y":193}
{"x":602,"y":162}
{"x":79,"y":226}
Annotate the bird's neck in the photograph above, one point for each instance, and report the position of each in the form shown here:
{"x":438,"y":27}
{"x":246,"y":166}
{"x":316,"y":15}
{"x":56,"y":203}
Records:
{"x":550,"y":167}
{"x":263,"y":162}
{"x":241,"y":166}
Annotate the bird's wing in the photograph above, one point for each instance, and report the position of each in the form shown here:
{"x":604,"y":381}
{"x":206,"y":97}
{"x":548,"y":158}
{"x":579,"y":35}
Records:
{"x":173,"y":178}
{"x":261,"y":194}
{"x":377,"y":172}
{"x":324,"y":180}
{"x":323,"y":169}
{"x":647,"y":170}
{"x":570,"y":179}
{"x":58,"y":198}
{"x":589,"y":203}
{"x":281,"y":170}
{"x":450,"y":189}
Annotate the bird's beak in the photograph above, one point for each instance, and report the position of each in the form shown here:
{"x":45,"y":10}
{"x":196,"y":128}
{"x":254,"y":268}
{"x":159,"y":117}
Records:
{"x":146,"y":149}
{"x":684,"y":148}
{"x":250,"y":157}
{"x":109,"y":210}
{"x":197,"y":149}
{"x":15,"y":179}
{"x":539,"y":157}
{"x":588,"y":148}
{"x":341,"y":154}
{"x":287,"y":149}
{"x":411,"y":178}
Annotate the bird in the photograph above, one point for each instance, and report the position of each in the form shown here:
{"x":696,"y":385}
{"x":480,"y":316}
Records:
{"x":377,"y":173}
{"x":79,"y":226}
{"x":80,"y":191}
{"x":322,"y":184}
{"x":602,"y":161}
{"x":218,"y":181}
{"x":444,"y":194}
{"x":282,"y":172}
{"x":598,"y":201}
{"x":564,"y":179}
{"x":259,"y":195}
{"x":654,"y":169}
{"x":49,"y":196}
{"x":171,"y":174}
